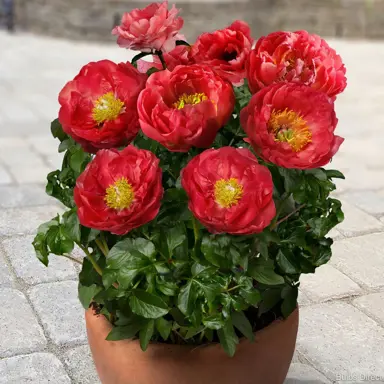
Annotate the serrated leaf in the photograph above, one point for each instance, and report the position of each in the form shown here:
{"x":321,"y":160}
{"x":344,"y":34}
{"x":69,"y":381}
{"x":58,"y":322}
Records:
{"x":334,"y":174}
{"x":124,"y":332}
{"x":228,"y":338}
{"x":147,"y":304}
{"x":289,"y":294}
{"x":251,"y":295}
{"x":86,"y":294}
{"x":71,"y":225}
{"x":58,"y":241}
{"x":41,"y":248}
{"x":287,"y":262}
{"x":240,"y":321}
{"x":164,"y":327}
{"x":78,"y":160}
{"x":214,"y":322}
{"x":57,"y":130}
{"x":146,"y":334}
{"x":319,"y":173}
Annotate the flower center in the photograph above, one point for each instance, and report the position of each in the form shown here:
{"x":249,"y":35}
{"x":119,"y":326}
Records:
{"x":119,"y":195}
{"x":107,"y":108}
{"x":192,"y":99}
{"x":289,"y":127}
{"x":229,"y":56}
{"x":228,"y":192}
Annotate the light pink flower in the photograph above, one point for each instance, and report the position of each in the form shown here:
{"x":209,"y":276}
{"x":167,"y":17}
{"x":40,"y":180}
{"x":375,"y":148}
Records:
{"x":151,"y":28}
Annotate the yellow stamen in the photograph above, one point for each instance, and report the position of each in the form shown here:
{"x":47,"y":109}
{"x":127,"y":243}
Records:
{"x":288,"y":126}
{"x":228,"y":192}
{"x":107,"y":108}
{"x":192,"y":99}
{"x":119,"y":195}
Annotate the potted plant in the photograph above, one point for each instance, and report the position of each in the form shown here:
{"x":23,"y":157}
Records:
{"x":193,"y":186}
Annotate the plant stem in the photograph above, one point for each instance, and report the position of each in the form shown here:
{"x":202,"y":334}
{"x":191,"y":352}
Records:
{"x":73,"y":259}
{"x":101,"y":246}
{"x":104,"y":242}
{"x":288,"y":216}
{"x":161,"y":57}
{"x":196,"y":231}
{"x":233,"y":288}
{"x":280,"y":208}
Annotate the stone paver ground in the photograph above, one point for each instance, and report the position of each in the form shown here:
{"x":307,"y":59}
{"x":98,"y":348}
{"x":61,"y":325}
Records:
{"x":341,"y":336}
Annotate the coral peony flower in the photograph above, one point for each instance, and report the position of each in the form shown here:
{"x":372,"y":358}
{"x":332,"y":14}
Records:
{"x":229,"y":191}
{"x":296,"y":57}
{"x":119,"y":191}
{"x":178,"y":56}
{"x":292,"y":125}
{"x":185,"y":108}
{"x":151,"y":28}
{"x":226,"y":51}
{"x":99,"y":107}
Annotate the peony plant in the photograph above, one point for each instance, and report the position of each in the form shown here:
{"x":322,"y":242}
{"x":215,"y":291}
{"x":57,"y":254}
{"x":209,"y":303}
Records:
{"x":192,"y":183}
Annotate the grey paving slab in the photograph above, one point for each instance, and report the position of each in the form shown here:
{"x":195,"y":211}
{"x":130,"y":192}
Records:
{"x":24,"y":196}
{"x":328,"y":283}
{"x":60,"y":312}
{"x":361,"y":259}
{"x":369,"y":201}
{"x":45,"y":145}
{"x":19,"y":332}
{"x":37,"y":368}
{"x":5,"y":176}
{"x":22,"y":256}
{"x":338,"y":339}
{"x":304,"y":374}
{"x":372,"y":305}
{"x":6,"y":278}
{"x":25,"y":220}
{"x":357,"y":221}
{"x":30,"y":174}
{"x":80,"y":365}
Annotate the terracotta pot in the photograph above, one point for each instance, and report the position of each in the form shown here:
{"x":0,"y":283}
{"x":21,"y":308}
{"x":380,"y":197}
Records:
{"x":264,"y":362}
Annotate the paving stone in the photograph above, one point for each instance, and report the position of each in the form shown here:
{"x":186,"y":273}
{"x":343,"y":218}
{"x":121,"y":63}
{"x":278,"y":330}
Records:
{"x":303,"y":298}
{"x":357,"y":222}
{"x":6,"y":277}
{"x":337,"y":338}
{"x":335,"y":234}
{"x":304,"y":374}
{"x":361,"y":259}
{"x":80,"y":365}
{"x":5,"y":177}
{"x":19,"y":155}
{"x":24,"y":196}
{"x":60,"y":312}
{"x":328,"y":283}
{"x":37,"y":368}
{"x":25,"y":220}
{"x":19,"y":331}
{"x":369,"y":201}
{"x":30,"y":174}
{"x":372,"y":305}
{"x":27,"y":267}
{"x":45,"y":145}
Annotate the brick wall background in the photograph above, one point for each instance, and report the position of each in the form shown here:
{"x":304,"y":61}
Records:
{"x":94,"y":19}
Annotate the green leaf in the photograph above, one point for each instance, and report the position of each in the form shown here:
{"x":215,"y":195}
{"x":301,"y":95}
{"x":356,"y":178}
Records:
{"x":216,"y":250}
{"x":124,"y":332}
{"x":66,"y":144}
{"x":41,"y":248}
{"x":57,"y":130}
{"x":251,"y":295}
{"x":214,"y":322}
{"x":263,"y":272}
{"x":146,"y":334}
{"x":78,"y":160}
{"x":169,"y":288}
{"x":287,"y":262}
{"x":58,"y":241}
{"x":176,"y":236}
{"x":211,"y":290}
{"x":164,"y":327}
{"x":187,"y":297}
{"x":289,"y":294}
{"x":333,"y":174}
{"x":270,"y":298}
{"x":228,"y":338}
{"x":240,"y":321}
{"x":86,"y":294}
{"x":71,"y":225}
{"x":319,"y":173}
{"x":147,"y":304}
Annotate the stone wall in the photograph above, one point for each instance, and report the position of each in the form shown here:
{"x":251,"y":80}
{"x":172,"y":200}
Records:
{"x":94,"y":19}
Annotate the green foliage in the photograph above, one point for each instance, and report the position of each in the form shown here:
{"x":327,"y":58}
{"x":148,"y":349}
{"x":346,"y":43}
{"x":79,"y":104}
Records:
{"x":173,"y":281}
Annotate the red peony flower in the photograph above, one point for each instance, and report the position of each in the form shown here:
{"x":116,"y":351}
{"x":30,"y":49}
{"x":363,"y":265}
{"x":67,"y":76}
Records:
{"x":229,"y":191}
{"x":99,"y":107}
{"x":185,"y":108}
{"x":292,"y":125}
{"x":226,"y":51}
{"x":296,"y":57}
{"x":151,"y":28}
{"x":119,"y":191}
{"x":178,"y":56}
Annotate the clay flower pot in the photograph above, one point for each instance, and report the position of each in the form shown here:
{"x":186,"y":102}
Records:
{"x":264,"y":362}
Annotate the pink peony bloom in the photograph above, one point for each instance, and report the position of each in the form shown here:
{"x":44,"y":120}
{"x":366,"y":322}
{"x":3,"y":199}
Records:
{"x":151,"y":28}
